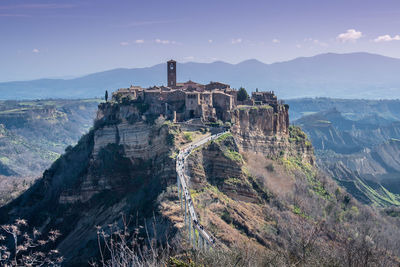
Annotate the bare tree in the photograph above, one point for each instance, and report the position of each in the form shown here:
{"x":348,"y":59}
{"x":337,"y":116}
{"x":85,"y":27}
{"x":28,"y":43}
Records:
{"x":20,"y":248}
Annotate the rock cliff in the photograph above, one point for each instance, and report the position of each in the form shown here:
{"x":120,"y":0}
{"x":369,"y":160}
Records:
{"x":265,"y":130}
{"x":220,"y":164}
{"x":119,"y":167}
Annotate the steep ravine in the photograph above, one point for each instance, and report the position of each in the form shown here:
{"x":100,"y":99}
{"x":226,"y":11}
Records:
{"x":362,"y":155}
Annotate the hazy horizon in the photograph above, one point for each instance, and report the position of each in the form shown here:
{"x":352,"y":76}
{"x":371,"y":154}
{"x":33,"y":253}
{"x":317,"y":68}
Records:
{"x":43,"y":38}
{"x":71,"y":76}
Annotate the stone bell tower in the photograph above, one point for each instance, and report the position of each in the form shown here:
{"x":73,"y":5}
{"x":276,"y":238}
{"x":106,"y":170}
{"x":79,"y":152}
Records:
{"x":171,"y":65}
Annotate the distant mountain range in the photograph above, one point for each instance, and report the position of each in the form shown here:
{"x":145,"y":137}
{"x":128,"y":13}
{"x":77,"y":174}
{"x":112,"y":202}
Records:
{"x":354,"y":75}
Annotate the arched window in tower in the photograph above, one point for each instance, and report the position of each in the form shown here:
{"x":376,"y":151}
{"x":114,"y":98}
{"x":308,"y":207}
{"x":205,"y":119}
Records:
{"x":171,"y":67}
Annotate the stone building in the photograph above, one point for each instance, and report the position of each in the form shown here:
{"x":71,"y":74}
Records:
{"x":189,"y":100}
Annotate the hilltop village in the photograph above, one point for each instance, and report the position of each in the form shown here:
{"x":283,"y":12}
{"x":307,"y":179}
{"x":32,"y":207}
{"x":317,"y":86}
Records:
{"x":180,"y":102}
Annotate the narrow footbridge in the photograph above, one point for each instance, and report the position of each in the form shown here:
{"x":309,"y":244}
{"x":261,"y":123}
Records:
{"x":198,"y":236}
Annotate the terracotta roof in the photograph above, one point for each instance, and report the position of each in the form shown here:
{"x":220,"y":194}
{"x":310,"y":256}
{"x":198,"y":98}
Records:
{"x":218,"y":83}
{"x":220,"y":92}
{"x":191,"y":82}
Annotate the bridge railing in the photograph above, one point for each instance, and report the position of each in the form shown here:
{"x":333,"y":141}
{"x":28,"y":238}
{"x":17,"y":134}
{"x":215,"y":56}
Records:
{"x":202,"y":239}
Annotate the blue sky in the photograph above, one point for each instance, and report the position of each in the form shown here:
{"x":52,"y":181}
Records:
{"x":43,"y":38}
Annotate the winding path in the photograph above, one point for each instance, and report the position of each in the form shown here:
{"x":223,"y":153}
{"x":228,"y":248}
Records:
{"x":191,"y":220}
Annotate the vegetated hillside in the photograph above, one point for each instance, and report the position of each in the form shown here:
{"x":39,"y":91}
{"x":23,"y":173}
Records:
{"x":361,"y":154}
{"x":256,"y":189}
{"x":283,"y":208}
{"x":35,"y":133}
{"x":333,"y":75}
{"x":372,"y":175}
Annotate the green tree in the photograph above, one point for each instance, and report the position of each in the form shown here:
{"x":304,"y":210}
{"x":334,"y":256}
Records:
{"x":242,"y":94}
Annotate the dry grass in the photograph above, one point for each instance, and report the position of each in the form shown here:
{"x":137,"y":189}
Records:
{"x":278,"y":181}
{"x":182,"y":141}
{"x":171,"y":209}
{"x":12,"y":186}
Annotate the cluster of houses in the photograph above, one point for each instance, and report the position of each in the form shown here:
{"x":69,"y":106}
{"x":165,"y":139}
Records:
{"x":188,"y":100}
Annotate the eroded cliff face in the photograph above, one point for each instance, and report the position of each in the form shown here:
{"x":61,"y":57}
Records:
{"x":266,"y":130}
{"x":119,"y":167}
{"x":221,"y":165}
{"x":263,"y":120}
{"x":122,"y":151}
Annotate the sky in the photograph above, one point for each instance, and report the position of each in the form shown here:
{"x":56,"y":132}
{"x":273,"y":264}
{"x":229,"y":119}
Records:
{"x":62,"y":39}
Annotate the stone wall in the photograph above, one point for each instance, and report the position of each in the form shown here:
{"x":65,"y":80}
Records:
{"x":223,"y":104}
{"x":176,"y":100}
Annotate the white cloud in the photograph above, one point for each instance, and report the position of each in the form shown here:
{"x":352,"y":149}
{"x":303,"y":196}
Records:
{"x":189,"y":58}
{"x":35,"y":50}
{"x":237,"y":41}
{"x":159,"y":41}
{"x":318,"y":42}
{"x":123,"y":43}
{"x":298,"y":45}
{"x":210,"y":41}
{"x":276,"y":41}
{"x":139,"y":41}
{"x":350,"y":35}
{"x":387,"y":38}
